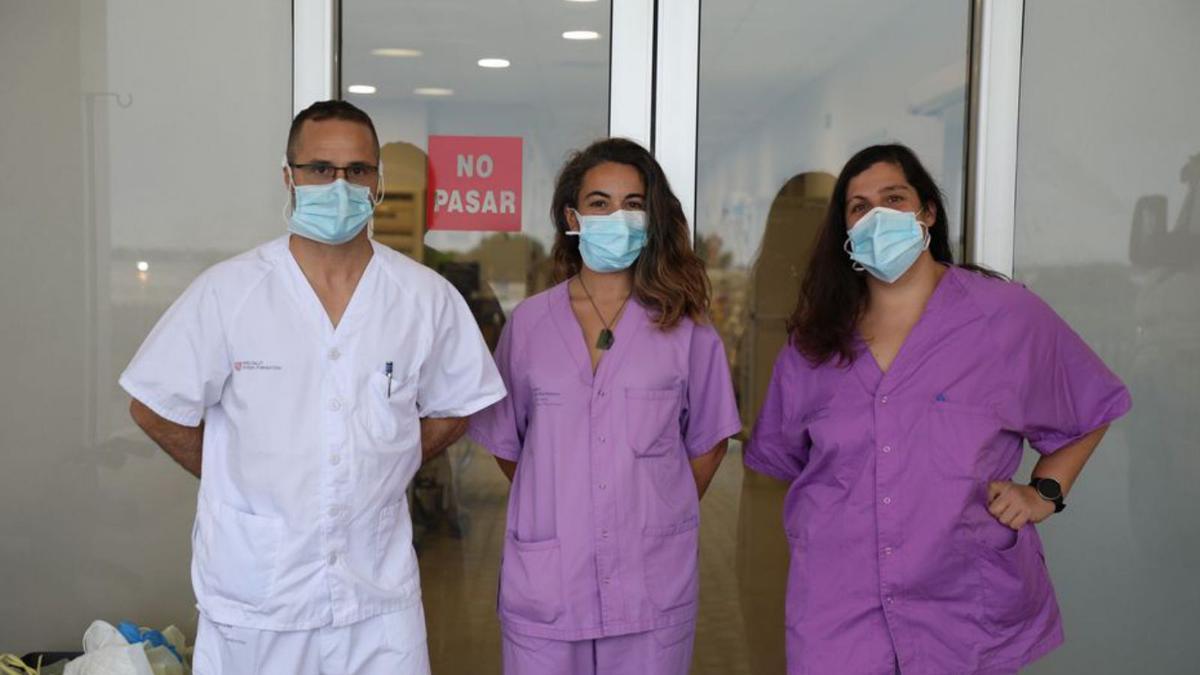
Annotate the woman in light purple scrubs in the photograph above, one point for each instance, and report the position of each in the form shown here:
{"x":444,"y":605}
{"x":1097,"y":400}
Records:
{"x":620,"y":403}
{"x":898,"y":413}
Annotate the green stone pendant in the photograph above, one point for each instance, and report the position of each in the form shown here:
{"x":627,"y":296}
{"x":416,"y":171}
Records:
{"x":605,"y":341}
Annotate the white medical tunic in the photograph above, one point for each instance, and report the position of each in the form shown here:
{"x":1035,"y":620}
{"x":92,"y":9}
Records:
{"x":301,"y":519}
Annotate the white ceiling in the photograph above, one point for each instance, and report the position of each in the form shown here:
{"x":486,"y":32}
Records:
{"x":455,"y":34}
{"x":754,"y":53}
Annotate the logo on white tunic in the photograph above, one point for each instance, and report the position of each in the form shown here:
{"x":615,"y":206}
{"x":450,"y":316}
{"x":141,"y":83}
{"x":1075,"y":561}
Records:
{"x":239,"y":366}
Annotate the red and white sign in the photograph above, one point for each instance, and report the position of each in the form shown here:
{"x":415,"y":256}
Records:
{"x":474,"y":183}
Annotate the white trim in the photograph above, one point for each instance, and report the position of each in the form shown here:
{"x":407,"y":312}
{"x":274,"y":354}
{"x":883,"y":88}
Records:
{"x":631,"y":70}
{"x":992,"y":173}
{"x":314,"y":52}
{"x":678,"y":65}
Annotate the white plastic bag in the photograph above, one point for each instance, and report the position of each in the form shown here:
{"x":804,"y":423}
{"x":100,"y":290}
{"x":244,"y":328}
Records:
{"x":102,"y":634}
{"x":163,"y":662}
{"x":107,"y":652}
{"x":127,"y":660}
{"x":177,"y":640}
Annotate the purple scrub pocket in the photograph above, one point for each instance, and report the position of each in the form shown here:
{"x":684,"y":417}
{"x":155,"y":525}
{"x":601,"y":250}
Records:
{"x":531,"y":580}
{"x":796,"y":593}
{"x":992,"y":533}
{"x":1015,"y":582}
{"x":652,"y":420}
{"x":670,"y":556}
{"x":960,"y":434}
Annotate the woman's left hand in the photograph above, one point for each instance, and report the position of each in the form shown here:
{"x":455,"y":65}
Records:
{"x":1015,"y":505}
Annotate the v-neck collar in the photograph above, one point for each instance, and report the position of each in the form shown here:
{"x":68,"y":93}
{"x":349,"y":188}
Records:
{"x":571,"y":332}
{"x":943,"y":313}
{"x":306,"y":295}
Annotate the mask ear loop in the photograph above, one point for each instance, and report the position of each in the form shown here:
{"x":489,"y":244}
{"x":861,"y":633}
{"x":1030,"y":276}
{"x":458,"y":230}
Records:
{"x":380,"y":187}
{"x":289,"y":202}
{"x":380,"y":190}
{"x":854,"y":264}
{"x":928,"y":238}
{"x":579,"y":222}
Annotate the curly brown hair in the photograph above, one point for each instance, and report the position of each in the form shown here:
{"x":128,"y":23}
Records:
{"x":668,"y":278}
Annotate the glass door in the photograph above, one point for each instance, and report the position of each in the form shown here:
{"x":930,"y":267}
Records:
{"x":788,"y":91}
{"x":1108,"y":232}
{"x":477,"y":105}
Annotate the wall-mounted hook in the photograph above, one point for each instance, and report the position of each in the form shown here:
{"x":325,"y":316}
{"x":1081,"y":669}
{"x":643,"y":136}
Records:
{"x":123,"y":100}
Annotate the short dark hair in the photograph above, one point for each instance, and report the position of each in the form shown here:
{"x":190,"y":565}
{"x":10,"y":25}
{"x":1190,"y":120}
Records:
{"x":328,"y":110}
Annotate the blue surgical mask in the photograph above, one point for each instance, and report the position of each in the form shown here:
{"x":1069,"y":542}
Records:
{"x":333,"y":213}
{"x":612,"y":242}
{"x":886,"y":242}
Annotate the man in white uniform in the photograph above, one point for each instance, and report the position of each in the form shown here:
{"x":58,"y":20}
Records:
{"x":305,"y":381}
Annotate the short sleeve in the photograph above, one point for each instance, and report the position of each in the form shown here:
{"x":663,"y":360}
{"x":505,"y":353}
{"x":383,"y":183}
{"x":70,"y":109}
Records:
{"x":181,"y":368}
{"x":458,"y":378}
{"x":776,"y":449}
{"x":1067,"y":391}
{"x":710,"y":413}
{"x":500,"y":428}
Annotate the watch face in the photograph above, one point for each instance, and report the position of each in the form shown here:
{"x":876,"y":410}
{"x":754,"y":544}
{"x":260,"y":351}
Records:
{"x":1049,"y":489}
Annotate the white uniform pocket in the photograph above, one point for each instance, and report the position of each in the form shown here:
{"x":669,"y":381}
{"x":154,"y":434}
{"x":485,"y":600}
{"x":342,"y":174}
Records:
{"x":236,"y":552}
{"x":391,"y":419}
{"x":395,"y":562}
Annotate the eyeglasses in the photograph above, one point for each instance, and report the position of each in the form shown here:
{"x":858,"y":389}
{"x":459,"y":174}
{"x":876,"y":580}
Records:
{"x":359,"y":173}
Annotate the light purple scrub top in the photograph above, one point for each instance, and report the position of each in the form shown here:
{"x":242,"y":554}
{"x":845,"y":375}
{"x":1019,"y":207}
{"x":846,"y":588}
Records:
{"x":893,"y":552}
{"x":603,"y":516}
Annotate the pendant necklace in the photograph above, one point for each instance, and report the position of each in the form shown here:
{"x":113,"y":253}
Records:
{"x":605,"y":340}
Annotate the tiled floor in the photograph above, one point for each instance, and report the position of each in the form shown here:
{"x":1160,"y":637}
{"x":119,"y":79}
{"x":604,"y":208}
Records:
{"x":743,"y":564}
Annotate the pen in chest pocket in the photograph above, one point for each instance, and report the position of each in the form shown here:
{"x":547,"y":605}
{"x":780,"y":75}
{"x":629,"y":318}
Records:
{"x":387,"y":370}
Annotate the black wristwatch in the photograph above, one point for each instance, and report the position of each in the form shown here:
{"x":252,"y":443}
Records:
{"x":1050,"y":490}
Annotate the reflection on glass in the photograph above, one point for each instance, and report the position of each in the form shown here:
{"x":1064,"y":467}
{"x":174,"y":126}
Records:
{"x":1164,"y":369}
{"x":436,"y":70}
{"x":788,"y":92}
{"x":130,"y":166}
{"x":1108,"y":232}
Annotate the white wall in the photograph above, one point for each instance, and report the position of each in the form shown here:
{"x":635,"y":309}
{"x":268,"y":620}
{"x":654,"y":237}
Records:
{"x":41,"y":262}
{"x":94,"y":520}
{"x":1109,"y":108}
{"x":1109,"y":113}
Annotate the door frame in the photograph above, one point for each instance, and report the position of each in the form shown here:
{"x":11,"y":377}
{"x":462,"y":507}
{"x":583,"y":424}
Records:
{"x":654,"y":81}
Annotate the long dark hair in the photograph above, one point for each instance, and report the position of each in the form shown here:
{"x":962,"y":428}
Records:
{"x":833,"y":296}
{"x":668,"y":277}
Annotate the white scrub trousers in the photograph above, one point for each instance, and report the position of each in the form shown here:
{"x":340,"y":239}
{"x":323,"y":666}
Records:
{"x":388,"y":644}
